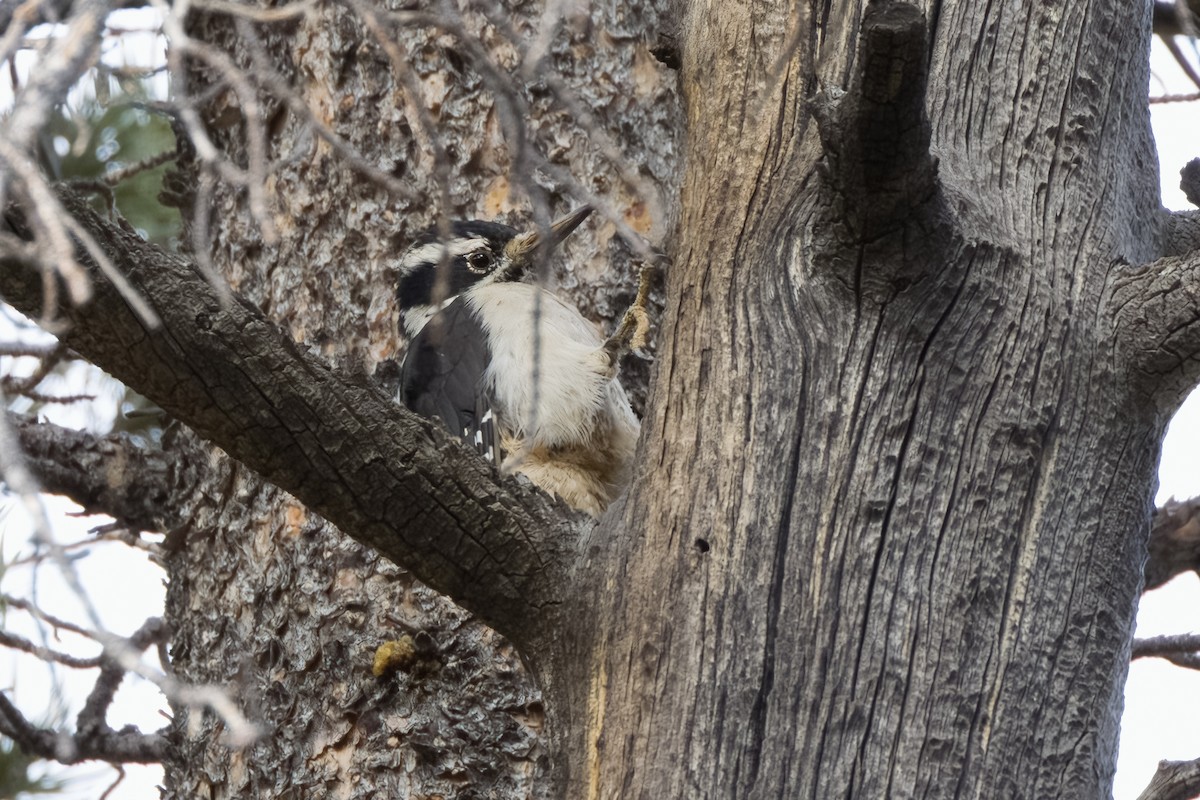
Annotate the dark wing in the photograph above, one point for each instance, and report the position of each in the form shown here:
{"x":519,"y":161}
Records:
{"x":442,"y":377}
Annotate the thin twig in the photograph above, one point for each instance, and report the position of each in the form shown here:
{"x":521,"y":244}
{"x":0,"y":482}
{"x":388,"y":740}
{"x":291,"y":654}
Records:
{"x":1175,"y":98}
{"x":146,"y":164}
{"x":14,"y":642}
{"x":28,"y":349}
{"x":1182,"y":61}
{"x":112,"y":786}
{"x":1162,"y":646}
{"x":254,"y":13}
{"x":254,"y":177}
{"x":22,"y":483}
{"x":41,"y":616}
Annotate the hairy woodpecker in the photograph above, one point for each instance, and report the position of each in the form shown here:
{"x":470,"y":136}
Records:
{"x":542,"y":401}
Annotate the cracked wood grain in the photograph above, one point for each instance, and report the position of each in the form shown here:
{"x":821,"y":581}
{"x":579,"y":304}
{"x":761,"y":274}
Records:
{"x":1156,"y":325}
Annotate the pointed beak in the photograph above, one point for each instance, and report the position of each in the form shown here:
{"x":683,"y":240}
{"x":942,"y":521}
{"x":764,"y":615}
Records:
{"x":523,"y":246}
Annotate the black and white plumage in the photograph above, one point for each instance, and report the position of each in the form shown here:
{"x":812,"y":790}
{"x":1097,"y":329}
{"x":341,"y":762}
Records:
{"x":471,"y":361}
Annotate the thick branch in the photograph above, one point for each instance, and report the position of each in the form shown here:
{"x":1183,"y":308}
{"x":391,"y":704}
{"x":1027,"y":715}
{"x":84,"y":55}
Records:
{"x":1164,"y":646}
{"x":877,"y":135}
{"x":104,"y":474}
{"x":1174,"y":542}
{"x":1155,"y":322}
{"x":393,"y":481}
{"x":1174,"y":780}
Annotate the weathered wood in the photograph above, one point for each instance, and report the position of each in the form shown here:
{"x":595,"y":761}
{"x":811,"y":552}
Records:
{"x":887,"y":533}
{"x":888,"y":537}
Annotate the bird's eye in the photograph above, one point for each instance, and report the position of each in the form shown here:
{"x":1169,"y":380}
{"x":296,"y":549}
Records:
{"x":479,"y":262}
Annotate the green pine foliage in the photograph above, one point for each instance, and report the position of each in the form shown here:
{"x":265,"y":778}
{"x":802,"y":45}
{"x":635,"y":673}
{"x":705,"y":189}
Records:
{"x":110,"y":130}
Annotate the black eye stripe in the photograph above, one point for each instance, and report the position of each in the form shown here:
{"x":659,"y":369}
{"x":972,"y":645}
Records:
{"x":416,"y":285}
{"x":416,"y":288}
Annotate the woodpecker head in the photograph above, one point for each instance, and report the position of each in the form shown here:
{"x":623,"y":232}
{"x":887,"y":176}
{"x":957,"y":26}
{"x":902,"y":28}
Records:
{"x":434,"y":271}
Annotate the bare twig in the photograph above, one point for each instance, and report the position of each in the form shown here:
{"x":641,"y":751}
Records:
{"x":426,"y":129}
{"x":41,"y":616}
{"x":92,"y":718}
{"x":14,"y":642}
{"x":279,"y":88}
{"x":114,"y":533}
{"x":254,"y":177}
{"x":28,"y":349}
{"x":1163,"y":646}
{"x":15,"y":472}
{"x":48,"y":399}
{"x":253,"y":13}
{"x":21,"y":481}
{"x":51,"y":225}
{"x":45,"y":220}
{"x":1182,"y":61}
{"x":117,"y":782}
{"x":70,"y":55}
{"x":578,"y":112}
{"x":117,"y":176}
{"x":1175,"y":98}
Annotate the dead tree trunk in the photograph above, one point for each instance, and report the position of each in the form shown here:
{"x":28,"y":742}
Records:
{"x":888,"y":532}
{"x":925,"y":322}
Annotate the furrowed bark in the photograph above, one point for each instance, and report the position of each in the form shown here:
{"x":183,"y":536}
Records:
{"x":920,"y":481}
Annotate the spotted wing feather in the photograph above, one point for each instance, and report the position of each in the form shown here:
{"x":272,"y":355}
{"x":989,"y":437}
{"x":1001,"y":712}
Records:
{"x":443,"y":377}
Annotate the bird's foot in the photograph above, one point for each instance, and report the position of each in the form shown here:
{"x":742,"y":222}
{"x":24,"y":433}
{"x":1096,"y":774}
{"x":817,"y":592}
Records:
{"x":634,"y":330}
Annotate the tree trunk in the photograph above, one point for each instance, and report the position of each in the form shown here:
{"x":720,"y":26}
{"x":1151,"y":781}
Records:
{"x":887,"y":536}
{"x":266,"y":597}
{"x":925,"y":321}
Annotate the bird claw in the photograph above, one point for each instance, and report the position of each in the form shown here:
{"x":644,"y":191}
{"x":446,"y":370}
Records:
{"x":634,"y":331}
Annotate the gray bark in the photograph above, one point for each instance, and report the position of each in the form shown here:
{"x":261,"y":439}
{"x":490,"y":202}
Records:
{"x":910,"y":551}
{"x":925,"y":322}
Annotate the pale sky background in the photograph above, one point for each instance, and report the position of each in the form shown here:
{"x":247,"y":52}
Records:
{"x":1162,"y":715}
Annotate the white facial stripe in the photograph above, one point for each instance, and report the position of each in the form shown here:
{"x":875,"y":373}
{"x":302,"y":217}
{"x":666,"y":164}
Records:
{"x":432,"y":253}
{"x":414,"y":319}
